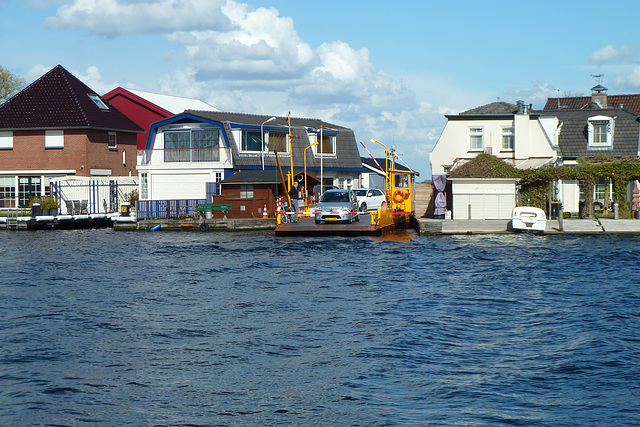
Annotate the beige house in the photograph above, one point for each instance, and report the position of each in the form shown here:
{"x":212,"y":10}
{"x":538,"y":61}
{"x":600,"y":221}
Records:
{"x":511,"y":132}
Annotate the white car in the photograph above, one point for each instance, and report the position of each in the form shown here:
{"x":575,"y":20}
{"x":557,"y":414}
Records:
{"x":369,"y":199}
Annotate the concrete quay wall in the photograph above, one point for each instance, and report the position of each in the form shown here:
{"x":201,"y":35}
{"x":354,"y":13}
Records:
{"x":426,"y":226}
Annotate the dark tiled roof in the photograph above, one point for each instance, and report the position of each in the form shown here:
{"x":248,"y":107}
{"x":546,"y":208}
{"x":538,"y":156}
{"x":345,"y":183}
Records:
{"x":347,"y":154}
{"x":495,"y":108}
{"x":573,"y":139}
{"x":58,"y":100}
{"x":628,"y":102}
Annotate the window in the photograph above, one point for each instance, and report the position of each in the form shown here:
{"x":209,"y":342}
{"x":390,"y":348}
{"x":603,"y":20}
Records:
{"x":600,"y":131}
{"x":6,"y":140}
{"x":277,"y":141}
{"x":600,"y":188}
{"x":507,"y":138}
{"x":113,"y":144}
{"x":144,"y":186}
{"x":191,"y":146}
{"x":96,"y":99}
{"x":251,"y":140}
{"x":327,"y":146}
{"x":54,"y":139}
{"x":475,"y":139}
{"x":7,"y":192}
{"x":218,"y":176}
{"x":246,"y":191}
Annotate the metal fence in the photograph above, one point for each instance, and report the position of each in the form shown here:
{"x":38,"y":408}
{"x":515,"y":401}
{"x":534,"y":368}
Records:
{"x":147,"y":209}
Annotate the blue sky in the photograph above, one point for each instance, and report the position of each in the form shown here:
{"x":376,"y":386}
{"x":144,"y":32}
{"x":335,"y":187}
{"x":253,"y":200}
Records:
{"x":388,"y":70}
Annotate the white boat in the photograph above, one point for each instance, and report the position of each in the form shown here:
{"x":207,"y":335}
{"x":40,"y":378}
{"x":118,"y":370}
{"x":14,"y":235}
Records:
{"x":526,"y":218}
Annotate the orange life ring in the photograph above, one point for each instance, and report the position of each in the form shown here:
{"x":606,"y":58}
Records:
{"x":399,"y":196}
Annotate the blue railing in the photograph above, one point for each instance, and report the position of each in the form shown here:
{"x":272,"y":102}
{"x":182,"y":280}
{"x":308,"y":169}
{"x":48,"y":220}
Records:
{"x":147,"y":209}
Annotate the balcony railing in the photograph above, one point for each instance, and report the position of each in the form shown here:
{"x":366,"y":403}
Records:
{"x":184,"y":155}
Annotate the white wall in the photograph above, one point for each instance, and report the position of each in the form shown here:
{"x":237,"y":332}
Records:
{"x":170,"y":186}
{"x":531,"y":141}
{"x":483,"y":198}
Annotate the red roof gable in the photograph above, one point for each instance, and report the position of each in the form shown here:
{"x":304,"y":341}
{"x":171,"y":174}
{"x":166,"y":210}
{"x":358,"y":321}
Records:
{"x":58,"y":100}
{"x":628,"y":102}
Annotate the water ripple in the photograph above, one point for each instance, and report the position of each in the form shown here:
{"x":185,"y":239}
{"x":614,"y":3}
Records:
{"x":106,"y":328}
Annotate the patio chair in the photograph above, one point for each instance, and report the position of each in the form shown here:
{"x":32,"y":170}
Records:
{"x":83,"y":207}
{"x":69,"y":205}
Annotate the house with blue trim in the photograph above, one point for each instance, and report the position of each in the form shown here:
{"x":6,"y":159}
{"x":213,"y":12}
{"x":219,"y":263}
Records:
{"x":188,"y":157}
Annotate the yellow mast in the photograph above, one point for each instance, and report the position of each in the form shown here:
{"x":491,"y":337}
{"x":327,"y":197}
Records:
{"x":290,"y":152}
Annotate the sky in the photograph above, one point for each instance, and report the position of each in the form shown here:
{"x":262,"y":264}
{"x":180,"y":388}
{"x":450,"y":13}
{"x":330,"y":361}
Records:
{"x":388,"y":70}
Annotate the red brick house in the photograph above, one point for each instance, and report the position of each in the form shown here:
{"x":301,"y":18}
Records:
{"x":145,"y":108}
{"x":58,"y":126}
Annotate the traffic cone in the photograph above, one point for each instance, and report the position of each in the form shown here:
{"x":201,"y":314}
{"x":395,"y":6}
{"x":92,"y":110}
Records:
{"x":264,"y":212}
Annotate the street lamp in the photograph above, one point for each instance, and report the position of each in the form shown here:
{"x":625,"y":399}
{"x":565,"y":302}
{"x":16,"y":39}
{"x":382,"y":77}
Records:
{"x":262,"y":139}
{"x":305,"y":172}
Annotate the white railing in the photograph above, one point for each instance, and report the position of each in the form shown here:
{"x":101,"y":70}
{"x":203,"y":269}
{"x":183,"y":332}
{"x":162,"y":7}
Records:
{"x":158,"y":156}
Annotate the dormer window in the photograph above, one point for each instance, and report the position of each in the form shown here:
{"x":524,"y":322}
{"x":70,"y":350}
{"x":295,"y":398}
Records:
{"x":600,"y":130}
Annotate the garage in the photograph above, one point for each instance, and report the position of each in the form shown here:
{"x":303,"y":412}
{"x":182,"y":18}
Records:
{"x":483,"y":198}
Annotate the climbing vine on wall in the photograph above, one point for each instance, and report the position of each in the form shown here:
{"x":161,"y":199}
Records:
{"x":535,"y":183}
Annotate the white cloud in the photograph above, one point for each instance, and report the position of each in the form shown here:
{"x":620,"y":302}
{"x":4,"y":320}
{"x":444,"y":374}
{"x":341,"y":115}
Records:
{"x":610,"y":54}
{"x":536,"y":93}
{"x":252,"y":60}
{"x":116,"y":17}
{"x":630,"y":82}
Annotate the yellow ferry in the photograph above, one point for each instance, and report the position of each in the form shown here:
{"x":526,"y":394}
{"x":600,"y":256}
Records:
{"x":397,"y":213}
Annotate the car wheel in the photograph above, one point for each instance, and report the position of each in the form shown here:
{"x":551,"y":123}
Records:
{"x":317,"y":221}
{"x":357,"y":218}
{"x":363,"y":207}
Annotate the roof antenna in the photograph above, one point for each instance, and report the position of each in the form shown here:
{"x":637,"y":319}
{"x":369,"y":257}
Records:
{"x":598,"y":77}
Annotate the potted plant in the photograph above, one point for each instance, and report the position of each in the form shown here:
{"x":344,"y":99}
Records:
{"x":50,"y":205}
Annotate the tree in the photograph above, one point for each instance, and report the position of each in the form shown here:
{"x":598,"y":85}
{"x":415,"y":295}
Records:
{"x":10,"y":84}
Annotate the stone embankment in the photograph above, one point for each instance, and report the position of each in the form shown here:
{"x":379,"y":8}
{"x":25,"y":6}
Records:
{"x":427,"y":226}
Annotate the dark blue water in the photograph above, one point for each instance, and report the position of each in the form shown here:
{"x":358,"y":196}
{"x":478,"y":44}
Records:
{"x":113,"y":328}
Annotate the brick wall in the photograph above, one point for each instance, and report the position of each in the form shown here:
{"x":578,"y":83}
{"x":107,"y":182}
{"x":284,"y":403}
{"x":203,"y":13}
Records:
{"x":83,"y":150}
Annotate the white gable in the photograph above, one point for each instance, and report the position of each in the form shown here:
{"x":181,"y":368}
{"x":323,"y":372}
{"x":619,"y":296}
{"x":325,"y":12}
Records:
{"x":174,"y":104}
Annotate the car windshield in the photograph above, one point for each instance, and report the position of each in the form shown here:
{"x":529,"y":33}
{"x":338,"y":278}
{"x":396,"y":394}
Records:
{"x":335,"y":196}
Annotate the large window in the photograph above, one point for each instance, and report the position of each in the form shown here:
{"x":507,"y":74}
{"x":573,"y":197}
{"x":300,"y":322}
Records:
{"x":278,"y":142}
{"x":475,"y":139}
{"x":251,"y":140}
{"x":507,"y":139}
{"x":327,"y":146}
{"x":191,"y":146}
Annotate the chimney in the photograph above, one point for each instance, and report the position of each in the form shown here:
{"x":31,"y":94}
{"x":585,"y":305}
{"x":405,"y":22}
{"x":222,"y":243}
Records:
{"x":599,"y":95}
{"x":520,"y":107}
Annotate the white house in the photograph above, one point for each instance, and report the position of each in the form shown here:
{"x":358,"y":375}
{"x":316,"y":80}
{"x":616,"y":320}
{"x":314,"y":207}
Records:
{"x":189,"y":155}
{"x":510,"y":132}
